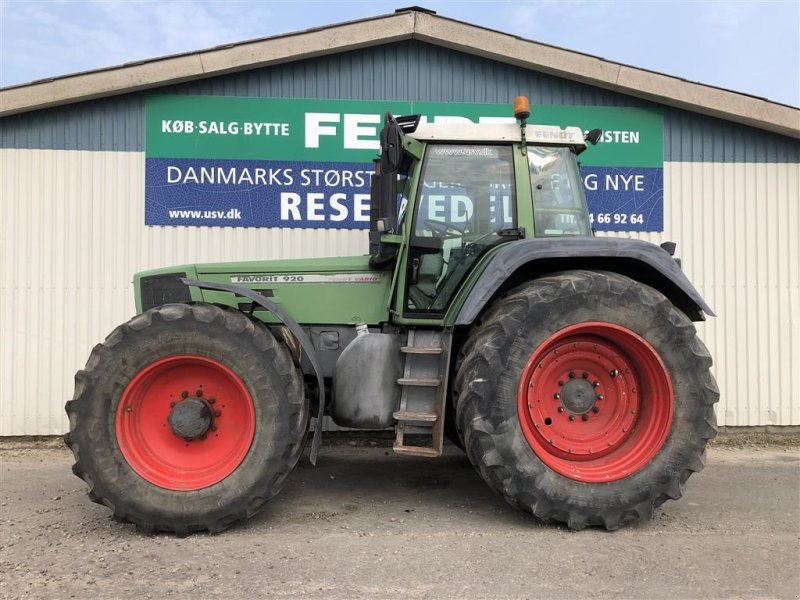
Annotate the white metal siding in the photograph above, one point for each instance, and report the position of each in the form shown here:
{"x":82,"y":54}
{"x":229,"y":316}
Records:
{"x":73,"y":233}
{"x":737,"y":227}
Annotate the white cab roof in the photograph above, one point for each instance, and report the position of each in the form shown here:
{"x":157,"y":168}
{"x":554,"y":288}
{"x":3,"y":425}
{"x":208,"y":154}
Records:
{"x":498,"y":132}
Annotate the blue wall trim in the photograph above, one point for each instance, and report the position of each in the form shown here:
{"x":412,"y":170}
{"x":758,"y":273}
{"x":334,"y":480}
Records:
{"x":409,"y":70}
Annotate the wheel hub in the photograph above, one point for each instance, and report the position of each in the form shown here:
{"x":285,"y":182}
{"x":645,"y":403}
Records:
{"x":577,"y":396}
{"x":191,"y":418}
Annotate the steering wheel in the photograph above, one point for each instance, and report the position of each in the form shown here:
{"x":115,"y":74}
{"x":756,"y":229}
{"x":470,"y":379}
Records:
{"x":446,"y":231}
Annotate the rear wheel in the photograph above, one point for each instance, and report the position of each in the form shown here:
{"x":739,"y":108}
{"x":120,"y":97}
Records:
{"x":586,"y":397}
{"x":187,"y":418}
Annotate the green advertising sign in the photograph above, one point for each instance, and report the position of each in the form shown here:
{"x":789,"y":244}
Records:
{"x":347,"y":130}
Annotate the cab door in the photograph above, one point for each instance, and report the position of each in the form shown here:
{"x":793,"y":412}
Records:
{"x":465,"y":204}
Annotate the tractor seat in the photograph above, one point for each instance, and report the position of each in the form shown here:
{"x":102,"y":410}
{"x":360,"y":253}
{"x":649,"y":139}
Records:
{"x":423,"y":291}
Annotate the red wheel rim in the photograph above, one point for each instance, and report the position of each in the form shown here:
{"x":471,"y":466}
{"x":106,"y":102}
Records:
{"x":146,"y":437}
{"x":595,"y":402}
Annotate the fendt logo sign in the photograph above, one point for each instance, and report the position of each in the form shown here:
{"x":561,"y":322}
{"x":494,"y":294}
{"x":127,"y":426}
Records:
{"x":307,"y":163}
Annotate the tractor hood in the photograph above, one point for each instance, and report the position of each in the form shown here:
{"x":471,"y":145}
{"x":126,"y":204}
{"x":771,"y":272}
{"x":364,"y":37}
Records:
{"x":313,"y":291}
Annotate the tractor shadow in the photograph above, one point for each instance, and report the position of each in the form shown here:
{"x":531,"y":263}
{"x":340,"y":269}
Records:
{"x":368,"y":487}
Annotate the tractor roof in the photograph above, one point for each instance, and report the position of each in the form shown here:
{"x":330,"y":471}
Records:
{"x":498,"y":132}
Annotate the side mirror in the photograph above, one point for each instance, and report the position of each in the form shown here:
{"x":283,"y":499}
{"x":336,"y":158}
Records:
{"x":383,"y":194}
{"x":391,"y":145}
{"x":593,"y":136}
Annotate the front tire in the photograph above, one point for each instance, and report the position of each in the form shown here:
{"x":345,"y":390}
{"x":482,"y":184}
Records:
{"x":187,"y":418}
{"x":586,"y":398}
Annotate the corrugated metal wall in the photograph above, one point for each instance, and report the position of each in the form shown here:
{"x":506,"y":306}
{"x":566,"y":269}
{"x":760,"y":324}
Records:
{"x":744,"y":257}
{"x":73,"y":235}
{"x":409,"y":70}
{"x":72,"y":204}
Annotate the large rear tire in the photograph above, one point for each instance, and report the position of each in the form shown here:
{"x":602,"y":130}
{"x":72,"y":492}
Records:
{"x":586,"y":398}
{"x":187,"y":418}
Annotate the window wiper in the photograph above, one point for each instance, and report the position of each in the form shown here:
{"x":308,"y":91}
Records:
{"x":518,"y":233}
{"x":506,"y":234}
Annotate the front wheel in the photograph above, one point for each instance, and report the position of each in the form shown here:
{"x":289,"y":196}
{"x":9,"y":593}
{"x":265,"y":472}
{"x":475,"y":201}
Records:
{"x":187,"y":418}
{"x":586,"y":397}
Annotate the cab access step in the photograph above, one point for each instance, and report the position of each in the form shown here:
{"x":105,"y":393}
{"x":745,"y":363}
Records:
{"x":419,"y":430}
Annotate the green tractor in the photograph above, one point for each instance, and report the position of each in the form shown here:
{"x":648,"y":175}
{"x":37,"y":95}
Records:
{"x":566,"y":366}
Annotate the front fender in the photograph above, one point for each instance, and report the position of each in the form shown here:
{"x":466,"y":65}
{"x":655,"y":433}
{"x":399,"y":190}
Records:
{"x":527,"y":259}
{"x":297,"y":331}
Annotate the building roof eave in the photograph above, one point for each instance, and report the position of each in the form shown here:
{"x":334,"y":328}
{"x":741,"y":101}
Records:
{"x":406,"y":24}
{"x":169,"y":70}
{"x":596,"y":71}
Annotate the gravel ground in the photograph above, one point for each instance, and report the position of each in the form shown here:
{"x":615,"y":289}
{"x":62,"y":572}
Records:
{"x":366,"y":523}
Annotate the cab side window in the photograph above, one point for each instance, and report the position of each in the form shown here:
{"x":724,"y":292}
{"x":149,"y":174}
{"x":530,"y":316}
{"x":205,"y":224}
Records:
{"x":558,"y":200}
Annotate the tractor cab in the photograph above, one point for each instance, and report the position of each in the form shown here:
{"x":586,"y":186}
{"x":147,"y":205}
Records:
{"x":445,"y":196}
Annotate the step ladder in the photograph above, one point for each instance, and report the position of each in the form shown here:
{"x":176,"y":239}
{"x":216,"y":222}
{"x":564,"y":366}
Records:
{"x":424,"y":392}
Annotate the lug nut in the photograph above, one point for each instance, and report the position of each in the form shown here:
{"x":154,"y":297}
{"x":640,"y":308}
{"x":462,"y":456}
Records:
{"x":584,"y":417}
{"x":212,"y":400}
{"x":595,"y":410}
{"x":596,"y":383}
{"x":560,"y":383}
{"x":557,"y":396}
{"x":600,"y":396}
{"x":560,"y":409}
{"x":571,"y":375}
{"x":184,"y":394}
{"x":217,"y":413}
{"x":585,"y":375}
{"x":171,"y":404}
{"x":614,"y":372}
{"x":198,"y":393}
{"x":213,"y":428}
{"x":572,"y":417}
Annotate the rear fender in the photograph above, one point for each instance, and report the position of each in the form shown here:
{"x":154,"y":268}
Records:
{"x":524,"y":260}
